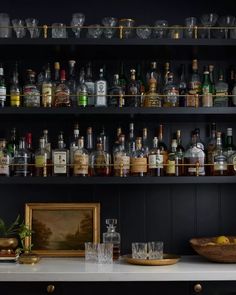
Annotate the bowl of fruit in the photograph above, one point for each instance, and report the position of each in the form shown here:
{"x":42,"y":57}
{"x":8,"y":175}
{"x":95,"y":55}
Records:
{"x":218,"y":249}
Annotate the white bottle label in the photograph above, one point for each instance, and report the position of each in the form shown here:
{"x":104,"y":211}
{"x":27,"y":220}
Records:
{"x":59,"y":161}
{"x":155,"y":161}
{"x":3,"y":93}
{"x":4,"y":165}
{"x":121,"y":162}
{"x":101,"y":91}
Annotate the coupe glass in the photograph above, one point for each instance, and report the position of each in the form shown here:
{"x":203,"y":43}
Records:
{"x":160,"y":30}
{"x":109,"y":23}
{"x":19,"y":27}
{"x":190,"y":23}
{"x":144,"y":32}
{"x":227,"y":21}
{"x":77,"y":22}
{"x":5,"y":30}
{"x":127,"y":24}
{"x":32,"y":25}
{"x":94,"y":31}
{"x":209,"y":20}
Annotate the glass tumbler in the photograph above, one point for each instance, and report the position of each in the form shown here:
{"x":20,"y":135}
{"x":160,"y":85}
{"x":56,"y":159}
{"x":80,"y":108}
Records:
{"x":95,"y":31}
{"x":155,"y":250}
{"x":5,"y":30}
{"x":144,"y":32}
{"x":59,"y":30}
{"x":190,"y":23}
{"x":160,"y":30}
{"x":91,"y":251}
{"x":139,"y":250}
{"x":127,"y":24}
{"x":105,"y":253}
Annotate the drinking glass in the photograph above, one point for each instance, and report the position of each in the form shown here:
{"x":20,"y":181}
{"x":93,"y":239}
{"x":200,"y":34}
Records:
{"x":94,"y":31}
{"x":226,"y":21}
{"x":176,"y":32}
{"x":127,"y":24}
{"x":209,"y":20}
{"x":143,"y":32}
{"x":160,"y":30}
{"x":139,"y":250}
{"x":190,"y":23}
{"x":32,"y":25}
{"x":109,"y":23}
{"x":77,"y":22}
{"x":91,"y":251}
{"x":59,"y":30}
{"x":19,"y":27}
{"x":5,"y":30}
{"x":105,"y":253}
{"x":155,"y":250}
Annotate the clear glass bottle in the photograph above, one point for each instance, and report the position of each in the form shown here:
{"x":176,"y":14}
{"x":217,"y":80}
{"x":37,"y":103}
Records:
{"x":101,"y":90}
{"x":89,"y":82}
{"x":229,"y":146}
{"x":155,"y":160}
{"x":211,"y":147}
{"x":112,"y":236}
{"x":71,"y":82}
{"x":22,"y":160}
{"x":74,"y":145}
{"x":122,"y":78}
{"x":138,"y":160}
{"x":60,"y":158}
{"x":170,"y":168}
{"x":15,"y":99}
{"x":116,"y":99}
{"x":153,"y":73}
{"x":221,"y":87}
{"x":105,"y":140}
{"x":3,"y":90}
{"x":195,"y":88}
{"x":31,"y":91}
{"x":145,"y":141}
{"x":200,"y":143}
{"x":131,"y":140}
{"x":171,"y":91}
{"x":82,"y":91}
{"x":133,"y":90}
{"x":207,"y":99}
{"x":89,"y":140}
{"x":182,"y":87}
{"x":47,"y":88}
{"x":4,"y":159}
{"x":152,"y":98}
{"x":179,"y":169}
{"x":121,"y":158}
{"x":162,"y":147}
{"x":219,"y":167}
{"x":81,"y":159}
{"x":28,"y":146}
{"x":117,"y":141}
{"x":62,"y":93}
{"x":56,"y":80}
{"x":41,"y":160}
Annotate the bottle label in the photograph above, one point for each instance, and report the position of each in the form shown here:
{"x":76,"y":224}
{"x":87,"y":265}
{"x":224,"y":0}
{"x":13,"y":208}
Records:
{"x":172,"y":97}
{"x":101,"y":161}
{"x":139,"y":165}
{"x":62,"y":96}
{"x":91,"y":91}
{"x":170,"y":168}
{"x":220,"y":164}
{"x":47,"y":95}
{"x":4,"y":165}
{"x":121,"y":162}
{"x":207,"y":100}
{"x":40,"y":161}
{"x":3,"y":93}
{"x":31,"y":96}
{"x":155,"y":161}
{"x":192,"y":100}
{"x":15,"y":99}
{"x":101,"y":91}
{"x":21,"y":167}
{"x":82,"y":100}
{"x":59,"y":162}
{"x":80,"y":164}
{"x":234,"y":163}
{"x":195,"y":87}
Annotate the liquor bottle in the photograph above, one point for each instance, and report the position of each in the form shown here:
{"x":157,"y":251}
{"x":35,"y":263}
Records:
{"x":166,"y":74}
{"x":15,"y":100}
{"x":47,"y":88}
{"x":152,"y":98}
{"x":71,"y":82}
{"x":229,"y":146}
{"x":62,"y":92}
{"x":131,"y":140}
{"x":60,"y":158}
{"x":74,"y":145}
{"x":99,"y":161}
{"x":162,"y":147}
{"x":21,"y":160}
{"x":194,"y":87}
{"x":56,"y":80}
{"x":116,"y":98}
{"x":122,"y":77}
{"x":219,"y":158}
{"x":211,"y":146}
{"x":207,"y":99}
{"x":140,"y":81}
{"x":221,"y":88}
{"x":31,"y":91}
{"x":231,"y":81}
{"x":212,"y":79}
{"x":194,"y":158}
{"x":41,"y":160}
{"x":155,"y":160}
{"x":4,"y":159}
{"x":171,"y":91}
{"x":82,"y":91}
{"x":145,"y":141}
{"x":29,"y":148}
{"x":199,"y":142}
{"x":81,"y":159}
{"x":104,"y":138}
{"x":12,"y":143}
{"x":89,"y":140}
{"x":182,"y":87}
{"x":3,"y":90}
{"x":179,"y":169}
{"x":153,"y":73}
{"x":117,"y":141}
{"x":170,"y":168}
{"x":138,"y":159}
{"x":90,"y":84}
{"x":47,"y":144}
{"x":133,"y":90}
{"x":121,"y":159}
{"x":113,"y":237}
{"x":101,"y":90}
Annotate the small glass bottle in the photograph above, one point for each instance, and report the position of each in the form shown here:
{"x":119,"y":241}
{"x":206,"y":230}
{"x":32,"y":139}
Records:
{"x":62,"y":93}
{"x":133,"y":90}
{"x":171,"y":91}
{"x":155,"y":160}
{"x":219,"y":159}
{"x":4,"y":159}
{"x":112,"y":236}
{"x":60,"y":158}
{"x":121,"y":159}
{"x":81,"y":159}
{"x":101,"y":90}
{"x":116,"y":93}
{"x":47,"y":88}
{"x":31,"y":91}
{"x":21,"y":160}
{"x":41,"y":159}
{"x":138,"y":160}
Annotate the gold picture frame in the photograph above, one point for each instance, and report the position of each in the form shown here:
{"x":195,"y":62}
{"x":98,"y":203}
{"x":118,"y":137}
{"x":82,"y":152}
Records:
{"x":61,"y":229}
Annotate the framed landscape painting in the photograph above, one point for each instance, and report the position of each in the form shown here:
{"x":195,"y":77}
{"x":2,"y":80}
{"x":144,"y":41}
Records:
{"x":61,"y":229}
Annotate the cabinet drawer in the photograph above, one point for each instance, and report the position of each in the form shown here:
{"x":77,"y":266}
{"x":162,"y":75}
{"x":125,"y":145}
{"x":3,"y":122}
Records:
{"x":213,"y":288}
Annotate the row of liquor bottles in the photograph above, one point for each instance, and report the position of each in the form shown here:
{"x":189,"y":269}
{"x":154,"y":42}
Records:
{"x":133,"y":156}
{"x":155,"y":90}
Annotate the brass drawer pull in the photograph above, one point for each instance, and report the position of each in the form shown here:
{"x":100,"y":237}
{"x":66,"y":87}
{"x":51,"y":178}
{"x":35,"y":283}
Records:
{"x":50,"y":288}
{"x":197,"y":288}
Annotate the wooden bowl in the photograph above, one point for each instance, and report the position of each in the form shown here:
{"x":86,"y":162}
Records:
{"x":215,"y":252}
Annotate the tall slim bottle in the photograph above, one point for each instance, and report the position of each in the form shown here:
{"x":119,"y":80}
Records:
{"x":207,"y":99}
{"x":138,"y":160}
{"x":15,"y":99}
{"x":101,"y":90}
{"x":89,"y":82}
{"x":71,"y":82}
{"x":3,"y":90}
{"x":47,"y":88}
{"x":41,"y":160}
{"x":60,"y":158}
{"x":182,"y":87}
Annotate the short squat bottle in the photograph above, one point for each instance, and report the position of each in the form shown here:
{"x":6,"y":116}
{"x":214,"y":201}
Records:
{"x":112,"y":236}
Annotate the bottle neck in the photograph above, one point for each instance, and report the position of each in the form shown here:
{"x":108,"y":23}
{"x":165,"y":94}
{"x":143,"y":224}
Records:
{"x":111,"y":228}
{"x":89,"y":141}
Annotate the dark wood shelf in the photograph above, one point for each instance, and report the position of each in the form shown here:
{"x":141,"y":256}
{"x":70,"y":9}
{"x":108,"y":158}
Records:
{"x":116,"y":180}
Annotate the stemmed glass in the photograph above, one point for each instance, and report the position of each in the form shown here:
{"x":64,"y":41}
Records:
{"x":77,"y":22}
{"x":32,"y":25}
{"x":143,"y":32}
{"x":109,"y":23}
{"x":209,"y":20}
{"x":160,"y":30}
{"x":227,"y":21}
{"x":19,"y":27}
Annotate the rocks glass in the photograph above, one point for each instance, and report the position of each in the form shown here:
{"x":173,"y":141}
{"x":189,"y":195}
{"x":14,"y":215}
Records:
{"x":105,"y":253}
{"x":59,"y":30}
{"x":144,"y":32}
{"x":109,"y":23}
{"x":127,"y":24}
{"x":91,"y":251}
{"x":19,"y":27}
{"x":160,"y":31}
{"x":94,"y":31}
{"x":139,"y":250}
{"x":155,"y":250}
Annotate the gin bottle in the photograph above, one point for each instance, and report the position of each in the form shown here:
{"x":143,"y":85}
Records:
{"x":101,"y":90}
{"x":60,"y":158}
{"x":31,"y":92}
{"x":221,"y":88}
{"x":112,"y":236}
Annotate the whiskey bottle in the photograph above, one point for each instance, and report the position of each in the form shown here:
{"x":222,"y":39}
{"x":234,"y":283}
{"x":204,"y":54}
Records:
{"x":21,"y":160}
{"x":71,"y":82}
{"x":30,"y":91}
{"x":60,"y":158}
{"x":171,"y":91}
{"x":62,"y":93}
{"x":82,"y":91}
{"x":15,"y":100}
{"x":4,"y":159}
{"x":219,"y":159}
{"x":74,"y":145}
{"x":101,"y":90}
{"x":221,"y":87}
{"x":90,"y":84}
{"x":116,"y":98}
{"x":138,"y":160}
{"x":199,"y":142}
{"x":89,"y":140}
{"x":131,"y":140}
{"x":3,"y":90}
{"x":121,"y":159}
{"x":207,"y":99}
{"x":182,"y":87}
{"x":194,"y":87}
{"x":41,"y":160}
{"x":162,"y":147}
{"x":133,"y":90}
{"x":212,"y":78}
{"x":171,"y":162}
{"x":47,"y":88}
{"x":81,"y":159}
{"x":112,"y":236}
{"x":155,"y":160}
{"x":152,"y":98}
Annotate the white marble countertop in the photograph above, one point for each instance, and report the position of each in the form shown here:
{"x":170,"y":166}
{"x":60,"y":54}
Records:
{"x":189,"y":268}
